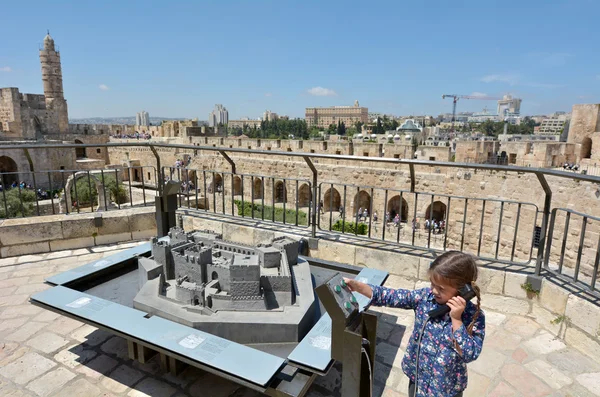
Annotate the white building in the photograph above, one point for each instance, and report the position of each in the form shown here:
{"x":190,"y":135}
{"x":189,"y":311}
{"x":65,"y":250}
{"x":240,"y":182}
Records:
{"x":270,"y":116}
{"x":508,"y":104}
{"x":142,"y":119}
{"x":553,"y":124}
{"x":219,"y":115}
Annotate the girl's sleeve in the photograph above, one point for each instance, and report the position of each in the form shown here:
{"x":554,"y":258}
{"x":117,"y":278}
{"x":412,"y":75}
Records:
{"x":401,"y":298}
{"x":470,"y":345}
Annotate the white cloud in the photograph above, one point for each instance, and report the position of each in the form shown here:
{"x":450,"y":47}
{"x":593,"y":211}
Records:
{"x":103,"y":87}
{"x":320,"y":91}
{"x":5,"y":69}
{"x":478,"y":94}
{"x":268,"y":94}
{"x":511,"y":79}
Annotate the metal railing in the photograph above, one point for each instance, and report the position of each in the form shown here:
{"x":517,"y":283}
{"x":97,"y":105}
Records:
{"x":36,"y":193}
{"x":429,"y":239}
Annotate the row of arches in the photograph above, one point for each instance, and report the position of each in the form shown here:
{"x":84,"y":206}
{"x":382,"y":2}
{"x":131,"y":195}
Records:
{"x":396,"y":205}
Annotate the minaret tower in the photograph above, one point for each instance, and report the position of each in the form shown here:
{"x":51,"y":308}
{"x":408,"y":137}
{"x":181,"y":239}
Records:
{"x":53,"y":84}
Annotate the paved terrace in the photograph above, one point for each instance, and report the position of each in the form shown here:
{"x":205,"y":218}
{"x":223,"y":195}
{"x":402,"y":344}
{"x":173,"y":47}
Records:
{"x":45,"y":354}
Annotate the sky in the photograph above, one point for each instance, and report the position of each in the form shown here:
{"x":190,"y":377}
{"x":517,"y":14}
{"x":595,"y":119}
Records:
{"x":180,"y":58}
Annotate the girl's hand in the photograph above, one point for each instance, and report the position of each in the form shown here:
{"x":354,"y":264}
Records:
{"x":351,"y":283}
{"x":457,"y":306}
{"x":357,"y":286}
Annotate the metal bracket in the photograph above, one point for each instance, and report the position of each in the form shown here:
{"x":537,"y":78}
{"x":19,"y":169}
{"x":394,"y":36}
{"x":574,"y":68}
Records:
{"x":159,"y":169}
{"x":314,"y":195}
{"x":229,"y":160}
{"x":411,"y":168}
{"x":535,"y":281}
{"x":545,"y":219}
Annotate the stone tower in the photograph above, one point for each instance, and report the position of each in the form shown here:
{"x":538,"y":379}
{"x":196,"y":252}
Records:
{"x":53,"y":86}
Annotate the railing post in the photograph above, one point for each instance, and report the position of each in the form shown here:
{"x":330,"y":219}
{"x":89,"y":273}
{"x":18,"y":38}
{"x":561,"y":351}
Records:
{"x":160,"y":171}
{"x":315,"y":198}
{"x":545,"y":218}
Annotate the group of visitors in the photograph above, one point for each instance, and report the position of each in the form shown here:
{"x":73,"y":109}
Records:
{"x":571,"y":167}
{"x":435,"y":226}
{"x":41,"y":194}
{"x":137,"y":135}
{"x":181,"y":163}
{"x":187,"y":186}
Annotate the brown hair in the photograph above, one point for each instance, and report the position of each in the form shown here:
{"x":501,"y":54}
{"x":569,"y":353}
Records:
{"x":458,"y":269}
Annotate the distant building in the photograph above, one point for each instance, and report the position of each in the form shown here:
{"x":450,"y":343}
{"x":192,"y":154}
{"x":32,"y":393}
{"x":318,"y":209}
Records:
{"x":219,"y":115}
{"x":508,"y":104}
{"x":324,"y":117}
{"x":234,"y":124}
{"x":270,"y":116}
{"x":142,"y":119}
{"x":553,"y":125}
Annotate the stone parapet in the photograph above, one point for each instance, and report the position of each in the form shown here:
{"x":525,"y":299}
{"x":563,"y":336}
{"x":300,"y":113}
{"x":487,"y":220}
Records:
{"x":23,"y":236}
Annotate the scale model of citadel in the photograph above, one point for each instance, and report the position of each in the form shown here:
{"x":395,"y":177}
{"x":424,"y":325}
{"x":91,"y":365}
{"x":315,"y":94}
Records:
{"x":247,"y":294}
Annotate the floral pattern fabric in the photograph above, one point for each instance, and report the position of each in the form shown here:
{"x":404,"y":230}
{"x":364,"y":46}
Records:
{"x":444,"y":354}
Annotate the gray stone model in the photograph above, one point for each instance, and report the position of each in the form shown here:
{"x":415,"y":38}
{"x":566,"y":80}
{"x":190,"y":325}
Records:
{"x":248,"y":294}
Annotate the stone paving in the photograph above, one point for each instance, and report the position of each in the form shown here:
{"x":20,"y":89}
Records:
{"x":45,"y":354}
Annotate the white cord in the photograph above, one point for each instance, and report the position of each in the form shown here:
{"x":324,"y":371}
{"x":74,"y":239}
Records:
{"x":418,"y":354}
{"x":370,"y":371}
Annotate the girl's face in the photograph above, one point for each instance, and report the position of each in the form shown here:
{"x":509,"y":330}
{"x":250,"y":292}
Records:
{"x":442,"y":290}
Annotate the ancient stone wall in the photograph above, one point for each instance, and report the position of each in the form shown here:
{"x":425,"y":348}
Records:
{"x":585,"y":120}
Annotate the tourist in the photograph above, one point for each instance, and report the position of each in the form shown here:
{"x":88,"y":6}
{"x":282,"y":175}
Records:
{"x":439,"y":362}
{"x":375,"y":216}
{"x":341,"y":210}
{"x":359,"y":214}
{"x":321,"y":207}
{"x":366,"y":214}
{"x":397,"y":220}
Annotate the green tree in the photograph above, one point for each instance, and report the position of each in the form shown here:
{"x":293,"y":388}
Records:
{"x":332,"y":129}
{"x":358,"y":125}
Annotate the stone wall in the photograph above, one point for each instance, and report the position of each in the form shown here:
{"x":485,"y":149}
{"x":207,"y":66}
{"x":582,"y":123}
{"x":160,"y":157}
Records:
{"x":33,"y":235}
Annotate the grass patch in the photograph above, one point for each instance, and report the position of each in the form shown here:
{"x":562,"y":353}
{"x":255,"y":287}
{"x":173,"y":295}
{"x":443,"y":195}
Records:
{"x":350,"y":227}
{"x":290,"y":215}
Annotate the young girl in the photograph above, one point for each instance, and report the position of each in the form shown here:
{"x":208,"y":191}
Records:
{"x":447,"y":343}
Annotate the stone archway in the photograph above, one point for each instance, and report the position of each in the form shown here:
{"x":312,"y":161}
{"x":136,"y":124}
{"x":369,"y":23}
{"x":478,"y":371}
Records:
{"x":216,"y":185}
{"x":331,"y":200}
{"x":237,"y":186}
{"x":8,"y":170}
{"x":80,"y":151}
{"x":280,"y":192}
{"x":438,"y":213}
{"x":258,"y":193}
{"x":586,"y":148}
{"x":304,"y":195}
{"x":394,"y":207}
{"x":66,"y":200}
{"x":362,"y":200}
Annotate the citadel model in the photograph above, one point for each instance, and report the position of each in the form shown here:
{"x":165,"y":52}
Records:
{"x":217,"y":286}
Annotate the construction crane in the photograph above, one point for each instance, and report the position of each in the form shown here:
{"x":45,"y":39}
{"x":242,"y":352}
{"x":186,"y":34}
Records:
{"x":457,"y":97}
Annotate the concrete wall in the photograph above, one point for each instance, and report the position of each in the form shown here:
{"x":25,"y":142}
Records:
{"x":24,"y":236}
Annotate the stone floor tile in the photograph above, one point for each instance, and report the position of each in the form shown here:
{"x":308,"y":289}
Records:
{"x":591,"y":381}
{"x":524,"y":381}
{"x":46,"y":316}
{"x":188,"y":375}
{"x":572,"y":362}
{"x":502,"y":340}
{"x":116,"y":346}
{"x":13,"y":323}
{"x":477,"y":385}
{"x":121,"y":379}
{"x":59,"y":254}
{"x":98,"y":367}
{"x":5,"y":262}
{"x":13,"y":300}
{"x":79,"y":388}
{"x":33,"y":271}
{"x":51,"y":381}
{"x":90,"y":335}
{"x":489,"y":363}
{"x":10,"y":392}
{"x":19,"y":311}
{"x":150,"y":388}
{"x":14,"y":282}
{"x":522,"y":326}
{"x":388,"y":353}
{"x":29,"y":258}
{"x":502,"y":390}
{"x":31,"y":289}
{"x":387,"y":392}
{"x":8,"y":291}
{"x":74,"y":355}
{"x":494,"y":318}
{"x":14,"y":354}
{"x":26,"y":331}
{"x":519,"y":355}
{"x":544,"y":343}
{"x":26,"y":368}
{"x":549,"y":374}
{"x":47,"y":342}
{"x":64,"y":325}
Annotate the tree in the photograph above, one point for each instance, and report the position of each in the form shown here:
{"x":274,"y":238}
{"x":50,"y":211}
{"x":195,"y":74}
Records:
{"x":358,"y":125}
{"x":378,"y":128}
{"x":332,"y":129}
{"x":342,"y":128}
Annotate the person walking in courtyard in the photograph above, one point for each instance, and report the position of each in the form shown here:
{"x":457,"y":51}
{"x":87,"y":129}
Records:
{"x":439,"y":348}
